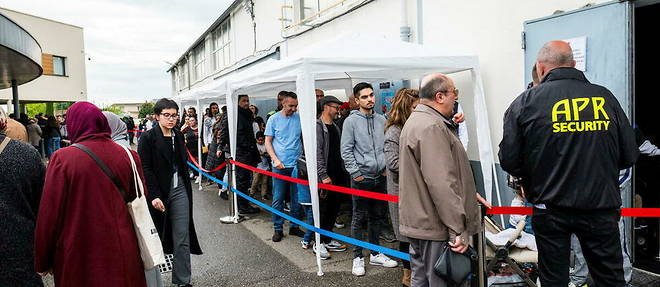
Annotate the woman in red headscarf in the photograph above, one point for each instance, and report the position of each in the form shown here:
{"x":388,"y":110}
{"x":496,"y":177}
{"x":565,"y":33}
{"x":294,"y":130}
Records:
{"x":84,"y":233}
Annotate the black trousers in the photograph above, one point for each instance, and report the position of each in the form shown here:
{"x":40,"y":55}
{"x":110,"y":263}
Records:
{"x":329,"y":208}
{"x":598,"y":233}
{"x":243,"y":183}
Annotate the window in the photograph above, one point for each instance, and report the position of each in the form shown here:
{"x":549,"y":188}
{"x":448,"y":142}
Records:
{"x":59,"y":66}
{"x":198,"y":59}
{"x":182,"y":76}
{"x":221,"y":46}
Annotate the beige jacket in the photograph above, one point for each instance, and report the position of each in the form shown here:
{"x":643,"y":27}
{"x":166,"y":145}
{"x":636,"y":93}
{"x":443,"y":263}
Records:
{"x":437,"y":193}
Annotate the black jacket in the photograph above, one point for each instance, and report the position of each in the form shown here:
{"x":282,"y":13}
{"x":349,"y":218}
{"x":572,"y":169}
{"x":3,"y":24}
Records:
{"x":157,"y":162}
{"x":567,"y":139}
{"x":246,"y":151}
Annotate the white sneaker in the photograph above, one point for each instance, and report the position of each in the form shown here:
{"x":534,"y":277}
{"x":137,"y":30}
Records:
{"x":198,"y":179}
{"x":339,"y":225}
{"x":381,"y":259}
{"x":358,"y":266}
{"x":322,"y":250}
{"x":335,"y":246}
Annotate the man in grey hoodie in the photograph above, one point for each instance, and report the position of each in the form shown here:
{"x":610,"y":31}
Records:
{"x":362,"y":150}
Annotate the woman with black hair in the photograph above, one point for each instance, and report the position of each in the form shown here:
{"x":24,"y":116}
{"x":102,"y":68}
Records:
{"x":163,"y":155}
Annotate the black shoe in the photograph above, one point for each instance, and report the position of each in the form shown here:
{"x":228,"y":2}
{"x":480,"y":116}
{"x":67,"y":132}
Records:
{"x":277,"y":236}
{"x":296,"y":231}
{"x":224,"y":195}
{"x":266,"y":197}
{"x":248,"y":210}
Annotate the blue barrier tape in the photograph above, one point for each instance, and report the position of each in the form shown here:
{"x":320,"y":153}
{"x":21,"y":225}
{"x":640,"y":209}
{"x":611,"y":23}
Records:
{"x":349,"y":240}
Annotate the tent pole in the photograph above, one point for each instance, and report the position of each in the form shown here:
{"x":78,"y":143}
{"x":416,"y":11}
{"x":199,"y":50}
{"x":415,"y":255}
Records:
{"x":200,"y":129}
{"x":305,"y":89}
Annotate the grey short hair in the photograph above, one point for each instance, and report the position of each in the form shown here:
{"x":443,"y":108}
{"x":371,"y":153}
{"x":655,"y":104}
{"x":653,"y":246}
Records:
{"x":555,"y":57}
{"x":431,"y":85}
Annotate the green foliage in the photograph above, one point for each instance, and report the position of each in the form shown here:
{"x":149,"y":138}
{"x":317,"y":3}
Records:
{"x":146,"y":109}
{"x":114,"y":109}
{"x":34,"y":109}
{"x":63,"y":106}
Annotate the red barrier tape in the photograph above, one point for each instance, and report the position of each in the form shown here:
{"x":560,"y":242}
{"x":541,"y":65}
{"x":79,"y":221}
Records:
{"x":136,"y":131}
{"x":495,"y":210}
{"x":192,"y":159}
{"x":369,"y":194}
{"x":510,"y":210}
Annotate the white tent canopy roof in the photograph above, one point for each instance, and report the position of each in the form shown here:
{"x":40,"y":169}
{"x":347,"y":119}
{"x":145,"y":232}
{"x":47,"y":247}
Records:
{"x":345,"y":60}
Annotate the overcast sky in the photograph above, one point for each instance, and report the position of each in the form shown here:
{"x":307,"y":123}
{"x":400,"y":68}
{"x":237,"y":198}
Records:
{"x":129,"y":42}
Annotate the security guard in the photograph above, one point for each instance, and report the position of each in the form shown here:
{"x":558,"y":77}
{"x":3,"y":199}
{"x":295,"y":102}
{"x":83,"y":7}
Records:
{"x":567,"y":139}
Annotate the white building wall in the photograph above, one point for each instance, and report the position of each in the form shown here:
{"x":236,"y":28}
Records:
{"x":489,"y":29}
{"x":57,"y":39}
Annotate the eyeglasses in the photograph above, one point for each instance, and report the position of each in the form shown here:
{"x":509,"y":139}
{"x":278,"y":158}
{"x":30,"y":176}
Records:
{"x":336,"y":107}
{"x":170,"y":116}
{"x":455,"y":91}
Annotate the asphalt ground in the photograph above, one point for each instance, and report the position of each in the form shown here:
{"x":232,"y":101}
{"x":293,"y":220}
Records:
{"x":244,"y":254}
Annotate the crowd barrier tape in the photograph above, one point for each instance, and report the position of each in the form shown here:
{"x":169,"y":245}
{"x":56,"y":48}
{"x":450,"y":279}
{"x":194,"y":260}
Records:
{"x":192,"y":158}
{"x":625,"y":212}
{"x":495,"y":210}
{"x":343,"y":238}
{"x":363,"y":193}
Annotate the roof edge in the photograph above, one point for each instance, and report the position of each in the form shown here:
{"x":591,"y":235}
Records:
{"x":216,"y":23}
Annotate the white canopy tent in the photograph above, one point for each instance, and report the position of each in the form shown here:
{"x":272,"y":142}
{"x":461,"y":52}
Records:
{"x":342,"y":62}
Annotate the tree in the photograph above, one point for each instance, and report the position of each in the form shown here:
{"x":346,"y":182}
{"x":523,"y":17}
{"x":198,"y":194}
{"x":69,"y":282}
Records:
{"x":114,"y":109}
{"x":146,"y":109}
{"x":34,"y":109}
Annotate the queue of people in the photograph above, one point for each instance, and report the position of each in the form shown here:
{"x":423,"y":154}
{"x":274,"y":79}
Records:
{"x":554,"y":134}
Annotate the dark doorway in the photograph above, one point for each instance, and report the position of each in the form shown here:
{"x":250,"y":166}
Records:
{"x":646,"y":98}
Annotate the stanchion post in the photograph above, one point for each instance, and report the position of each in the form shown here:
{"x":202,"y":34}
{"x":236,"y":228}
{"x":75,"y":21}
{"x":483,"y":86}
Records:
{"x":233,"y":216}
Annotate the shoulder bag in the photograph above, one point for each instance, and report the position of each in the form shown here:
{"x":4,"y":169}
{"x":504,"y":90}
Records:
{"x":151,"y":249}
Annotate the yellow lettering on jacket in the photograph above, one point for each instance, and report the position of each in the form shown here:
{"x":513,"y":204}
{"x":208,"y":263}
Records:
{"x":577,"y":109}
{"x":555,"y":128}
{"x":599,"y":102}
{"x":566,"y":111}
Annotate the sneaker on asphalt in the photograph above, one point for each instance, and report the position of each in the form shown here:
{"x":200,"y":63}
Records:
{"x":277,"y":236}
{"x":296,"y":231}
{"x":305,"y":245}
{"x":381,"y":259}
{"x":223,"y":194}
{"x":339,"y":225}
{"x":335,"y":246}
{"x":388,"y":236}
{"x":324,"y":252}
{"x":358,"y":266}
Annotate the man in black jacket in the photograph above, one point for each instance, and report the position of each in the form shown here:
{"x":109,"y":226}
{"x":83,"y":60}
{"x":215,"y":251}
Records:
{"x":246,"y":150}
{"x":567,"y":139}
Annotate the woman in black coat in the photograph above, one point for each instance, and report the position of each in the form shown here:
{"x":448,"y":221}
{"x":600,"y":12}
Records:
{"x":163,"y":152}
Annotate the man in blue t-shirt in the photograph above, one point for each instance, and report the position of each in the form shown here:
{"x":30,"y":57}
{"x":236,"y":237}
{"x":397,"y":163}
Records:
{"x":284,"y":145}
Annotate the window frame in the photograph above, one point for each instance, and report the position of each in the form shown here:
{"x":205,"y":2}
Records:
{"x":63,"y":74}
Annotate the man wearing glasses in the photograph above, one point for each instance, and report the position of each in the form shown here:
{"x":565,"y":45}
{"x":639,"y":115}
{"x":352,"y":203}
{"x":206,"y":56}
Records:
{"x":169,"y":191}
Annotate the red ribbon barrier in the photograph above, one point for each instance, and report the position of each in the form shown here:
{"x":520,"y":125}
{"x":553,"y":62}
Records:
{"x":369,"y":194}
{"x":192,"y":159}
{"x":510,"y":210}
{"x":495,"y":210}
{"x":136,"y":131}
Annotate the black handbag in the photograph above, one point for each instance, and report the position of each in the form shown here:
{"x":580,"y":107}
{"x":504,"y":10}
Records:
{"x":454,"y":267}
{"x":302,"y":168}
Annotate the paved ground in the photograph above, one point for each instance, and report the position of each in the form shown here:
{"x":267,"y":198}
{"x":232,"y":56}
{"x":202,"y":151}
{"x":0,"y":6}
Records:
{"x":244,"y":255}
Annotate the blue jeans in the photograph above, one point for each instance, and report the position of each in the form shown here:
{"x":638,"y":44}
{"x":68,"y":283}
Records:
{"x":280,"y":188}
{"x":52,"y":145}
{"x":310,"y":220}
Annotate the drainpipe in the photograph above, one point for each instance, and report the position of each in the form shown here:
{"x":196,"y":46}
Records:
{"x":420,"y":22}
{"x":404,"y":30}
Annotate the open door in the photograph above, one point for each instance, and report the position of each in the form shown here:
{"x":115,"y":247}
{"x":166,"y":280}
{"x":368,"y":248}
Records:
{"x":601,"y":37}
